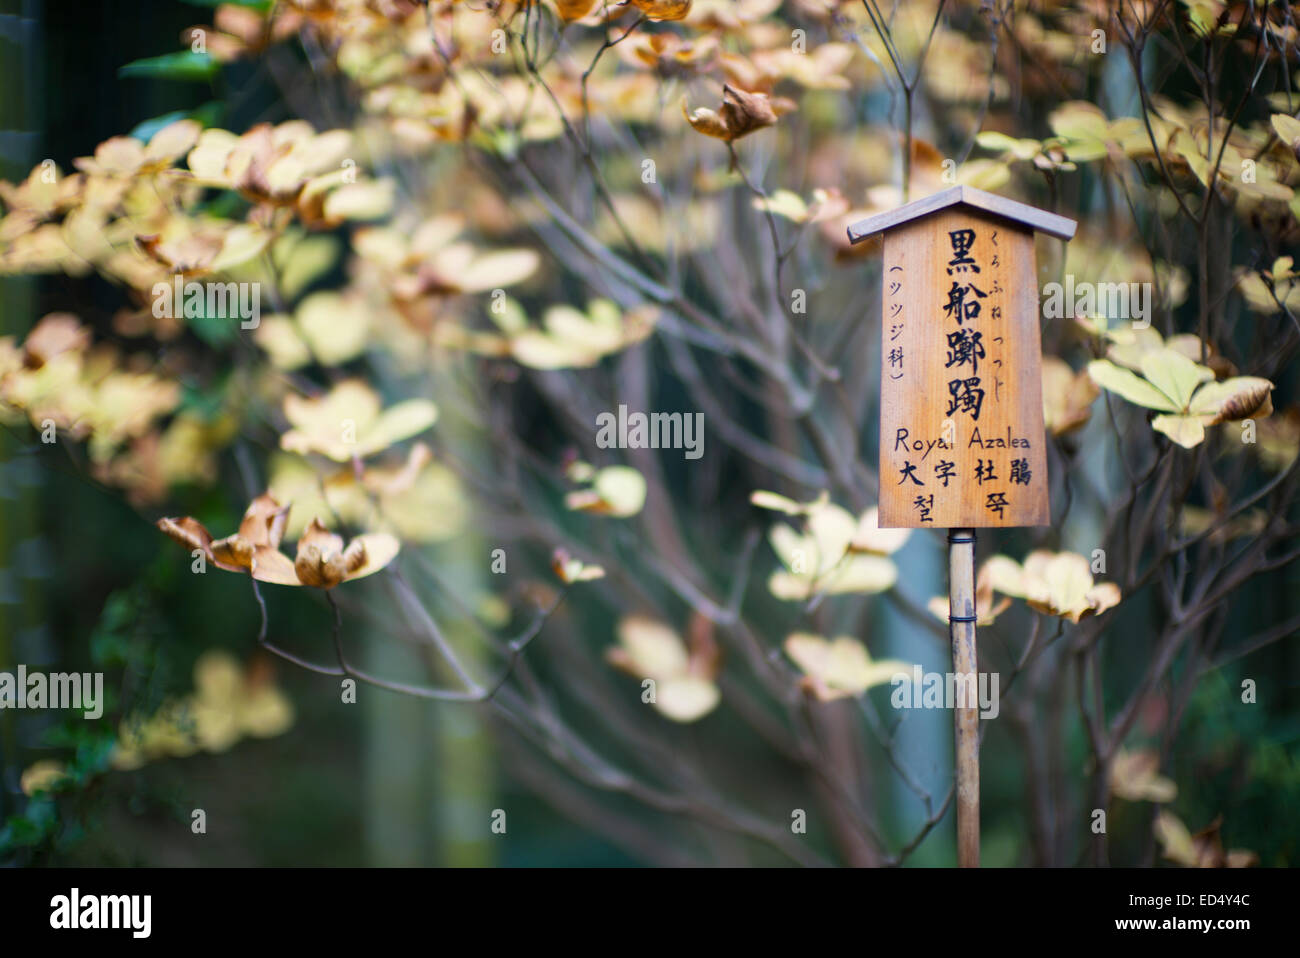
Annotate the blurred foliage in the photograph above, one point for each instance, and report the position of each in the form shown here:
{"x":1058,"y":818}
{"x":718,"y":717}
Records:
{"x":476,"y":228}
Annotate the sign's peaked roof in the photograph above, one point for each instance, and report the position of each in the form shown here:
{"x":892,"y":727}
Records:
{"x":1022,"y":213}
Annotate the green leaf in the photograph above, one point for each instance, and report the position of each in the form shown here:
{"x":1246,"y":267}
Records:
{"x":509,"y":317}
{"x":145,"y":130}
{"x":207,"y":404}
{"x":303,"y":260}
{"x":185,"y":65}
{"x":1174,"y":375}
{"x":1020,"y":149}
{"x":398,"y":422}
{"x":207,"y":115}
{"x":1129,"y":385}
{"x":984,"y":174}
{"x":216,"y":331}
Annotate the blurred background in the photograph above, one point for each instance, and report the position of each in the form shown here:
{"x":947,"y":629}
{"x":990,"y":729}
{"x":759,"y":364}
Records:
{"x":303,"y":777}
{"x":401,"y":783}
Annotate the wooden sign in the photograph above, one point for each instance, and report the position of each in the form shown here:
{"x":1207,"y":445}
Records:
{"x":962,"y":442}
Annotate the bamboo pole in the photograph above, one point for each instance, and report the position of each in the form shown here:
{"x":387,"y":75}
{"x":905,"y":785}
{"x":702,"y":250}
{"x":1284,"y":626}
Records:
{"x":966,"y":744}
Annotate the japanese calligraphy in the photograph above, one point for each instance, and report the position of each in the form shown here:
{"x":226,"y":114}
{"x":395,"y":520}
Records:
{"x":960,"y":438}
{"x":966,"y":396}
{"x":944,"y":470}
{"x":959,"y":308}
{"x":965,"y":346}
{"x":996,"y":503}
{"x":961,"y":261}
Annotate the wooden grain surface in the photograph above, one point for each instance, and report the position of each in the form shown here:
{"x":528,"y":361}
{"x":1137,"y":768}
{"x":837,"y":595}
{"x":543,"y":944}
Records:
{"x":962,"y":442}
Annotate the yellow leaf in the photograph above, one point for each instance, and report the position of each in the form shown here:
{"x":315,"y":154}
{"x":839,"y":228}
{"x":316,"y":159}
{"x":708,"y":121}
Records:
{"x":663,"y":9}
{"x":686,"y":698}
{"x":240,"y":244}
{"x":574,"y":9}
{"x":398,"y":422}
{"x":835,"y":554}
{"x":280,"y":338}
{"x":1067,"y":396}
{"x":1130,"y":386}
{"x":652,"y":650}
{"x":684,"y":688}
{"x":302,"y":260}
{"x":498,"y":269}
{"x":420,"y":501}
{"x":347,"y":422}
{"x":984,"y":174}
{"x":1175,"y":839}
{"x":1020,"y":149}
{"x":571,"y":570}
{"x":1174,"y":375}
{"x":742,"y":113}
{"x":378,"y":550}
{"x":42,"y":775}
{"x":323,"y":561}
{"x":617,"y":491}
{"x":863,"y":573}
{"x":832,"y":529}
{"x":210,"y":156}
{"x":369,"y":200}
{"x":1186,"y":431}
{"x":1240,"y":397}
{"x":784,"y":203}
{"x":334,"y":327}
{"x":1134,"y":777}
{"x":623,"y":488}
{"x":841,"y":667}
{"x":1261,"y":299}
{"x":778,"y":503}
{"x":1058,"y":583}
{"x":1062,"y":584}
{"x":172,"y":141}
{"x":572,"y":340}
{"x":1204,"y":17}
{"x":869,"y":537}
{"x":1288,"y":128}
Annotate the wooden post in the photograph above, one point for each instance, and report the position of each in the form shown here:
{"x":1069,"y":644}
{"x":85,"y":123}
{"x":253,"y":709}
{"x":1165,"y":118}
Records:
{"x":962,"y":443}
{"x":966,"y":739}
